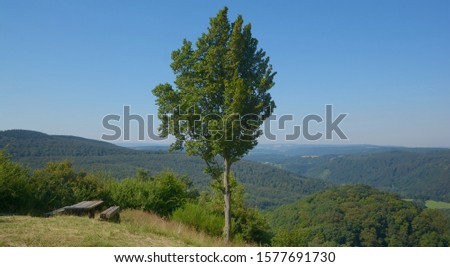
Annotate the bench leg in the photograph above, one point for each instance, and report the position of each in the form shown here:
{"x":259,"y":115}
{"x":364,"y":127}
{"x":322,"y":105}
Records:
{"x":91,"y":214}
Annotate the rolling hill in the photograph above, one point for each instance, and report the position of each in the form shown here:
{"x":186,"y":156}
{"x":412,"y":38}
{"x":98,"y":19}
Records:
{"x":358,"y":215}
{"x":419,"y":173}
{"x":266,"y":186}
{"x":24,"y":143}
{"x":272,"y":175}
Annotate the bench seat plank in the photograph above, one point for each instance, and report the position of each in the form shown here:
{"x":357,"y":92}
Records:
{"x":111,"y":213}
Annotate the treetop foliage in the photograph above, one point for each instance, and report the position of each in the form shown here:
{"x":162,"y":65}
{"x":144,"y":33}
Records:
{"x":221,"y":91}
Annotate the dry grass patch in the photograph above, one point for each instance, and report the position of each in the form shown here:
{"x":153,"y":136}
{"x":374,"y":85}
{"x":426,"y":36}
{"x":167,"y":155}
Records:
{"x":137,"y":228}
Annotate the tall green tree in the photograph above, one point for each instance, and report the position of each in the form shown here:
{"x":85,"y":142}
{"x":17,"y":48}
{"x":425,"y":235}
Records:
{"x":220,"y":98}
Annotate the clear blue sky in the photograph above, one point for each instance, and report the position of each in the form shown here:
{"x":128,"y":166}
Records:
{"x":64,"y":65}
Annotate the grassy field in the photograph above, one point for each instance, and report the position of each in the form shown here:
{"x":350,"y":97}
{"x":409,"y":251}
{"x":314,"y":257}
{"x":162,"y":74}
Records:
{"x":431,"y":204}
{"x":137,"y":229}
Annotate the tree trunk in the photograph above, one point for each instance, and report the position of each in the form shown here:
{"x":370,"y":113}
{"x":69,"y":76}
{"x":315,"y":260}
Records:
{"x":227,"y":198}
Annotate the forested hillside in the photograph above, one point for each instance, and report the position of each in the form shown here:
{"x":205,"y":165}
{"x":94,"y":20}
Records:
{"x":358,"y":215}
{"x":421,"y":173}
{"x":319,"y":214}
{"x":266,"y":186}
{"x":24,"y":143}
{"x":413,"y":173}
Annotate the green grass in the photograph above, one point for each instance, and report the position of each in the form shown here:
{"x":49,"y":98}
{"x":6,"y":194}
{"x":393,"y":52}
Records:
{"x":137,"y":229}
{"x":431,"y":204}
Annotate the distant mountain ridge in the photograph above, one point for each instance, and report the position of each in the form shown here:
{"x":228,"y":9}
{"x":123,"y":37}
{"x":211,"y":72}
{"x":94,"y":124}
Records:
{"x":25,"y":143}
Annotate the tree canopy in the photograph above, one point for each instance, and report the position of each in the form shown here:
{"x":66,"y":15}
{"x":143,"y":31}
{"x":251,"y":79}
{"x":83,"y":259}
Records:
{"x":221,"y":95}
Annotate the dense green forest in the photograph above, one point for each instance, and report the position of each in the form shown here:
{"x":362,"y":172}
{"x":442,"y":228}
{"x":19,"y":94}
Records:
{"x":272,"y":176}
{"x":355,"y":215}
{"x":358,"y":215}
{"x":420,"y":173}
{"x":266,"y":186}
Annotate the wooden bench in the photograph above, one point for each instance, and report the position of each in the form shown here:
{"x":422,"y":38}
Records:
{"x":111,"y":214}
{"x":84,"y":207}
{"x":55,"y":212}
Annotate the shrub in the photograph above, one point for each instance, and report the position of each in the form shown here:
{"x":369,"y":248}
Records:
{"x":14,"y":186}
{"x":207,"y":215}
{"x":58,"y":185}
{"x":161,"y":194}
{"x":200,"y":217}
{"x":169,"y":193}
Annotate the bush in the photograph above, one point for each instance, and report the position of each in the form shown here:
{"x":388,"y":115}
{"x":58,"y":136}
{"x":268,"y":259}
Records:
{"x":89,"y":187}
{"x":207,"y":215}
{"x":59,"y":185}
{"x":251,"y":226}
{"x":15,"y":190}
{"x":128,"y":193}
{"x":201,"y":217}
{"x":161,"y":194}
{"x":55,"y":186}
{"x":169,"y":193}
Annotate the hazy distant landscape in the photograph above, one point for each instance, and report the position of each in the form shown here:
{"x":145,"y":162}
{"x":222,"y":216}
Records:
{"x":281,"y":181}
